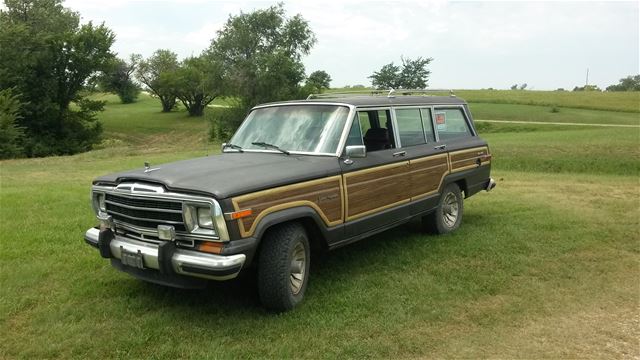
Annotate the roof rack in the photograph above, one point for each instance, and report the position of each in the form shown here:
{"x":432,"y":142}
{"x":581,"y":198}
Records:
{"x":391,"y":93}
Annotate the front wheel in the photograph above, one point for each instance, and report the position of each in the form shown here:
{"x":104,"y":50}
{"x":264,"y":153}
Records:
{"x":448,"y":215}
{"x":283,"y":267}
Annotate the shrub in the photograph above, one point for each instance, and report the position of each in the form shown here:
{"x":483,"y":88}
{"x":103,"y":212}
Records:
{"x":10,"y":133}
{"x":224,"y":122}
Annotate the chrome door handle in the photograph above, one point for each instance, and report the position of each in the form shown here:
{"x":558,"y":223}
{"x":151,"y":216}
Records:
{"x":399,"y":153}
{"x":440,"y":147}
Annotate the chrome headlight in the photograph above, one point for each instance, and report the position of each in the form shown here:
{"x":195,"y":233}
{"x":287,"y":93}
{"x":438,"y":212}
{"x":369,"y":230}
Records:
{"x":205,"y":219}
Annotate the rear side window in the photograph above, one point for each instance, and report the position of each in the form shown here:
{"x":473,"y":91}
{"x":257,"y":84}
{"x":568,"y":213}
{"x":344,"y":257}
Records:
{"x":410,"y":127}
{"x":451,"y":124}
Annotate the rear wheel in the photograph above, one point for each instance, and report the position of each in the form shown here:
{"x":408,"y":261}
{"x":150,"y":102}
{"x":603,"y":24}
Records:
{"x":283,"y":267}
{"x":448,"y":215}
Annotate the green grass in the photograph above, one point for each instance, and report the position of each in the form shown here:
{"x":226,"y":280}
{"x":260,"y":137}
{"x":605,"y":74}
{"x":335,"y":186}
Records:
{"x":489,"y":111}
{"x":614,"y":101}
{"x":546,"y":265}
{"x":591,"y":100}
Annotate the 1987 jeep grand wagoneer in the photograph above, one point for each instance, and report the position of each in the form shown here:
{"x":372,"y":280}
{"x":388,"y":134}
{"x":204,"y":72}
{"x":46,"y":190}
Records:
{"x":301,"y":175}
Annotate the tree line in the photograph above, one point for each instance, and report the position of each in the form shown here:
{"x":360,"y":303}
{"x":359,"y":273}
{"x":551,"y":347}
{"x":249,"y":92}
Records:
{"x":50,"y":63}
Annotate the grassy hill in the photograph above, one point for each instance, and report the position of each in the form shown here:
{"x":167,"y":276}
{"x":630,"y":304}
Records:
{"x":546,"y":265}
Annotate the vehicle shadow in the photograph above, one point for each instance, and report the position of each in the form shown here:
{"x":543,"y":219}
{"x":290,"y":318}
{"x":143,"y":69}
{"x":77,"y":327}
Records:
{"x":240,"y":295}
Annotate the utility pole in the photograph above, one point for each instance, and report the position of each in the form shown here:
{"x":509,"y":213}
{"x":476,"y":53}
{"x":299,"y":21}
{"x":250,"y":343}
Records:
{"x":587,"y":81}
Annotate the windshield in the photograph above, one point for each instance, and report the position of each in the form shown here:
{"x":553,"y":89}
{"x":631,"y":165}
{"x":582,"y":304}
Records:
{"x":295,"y":128}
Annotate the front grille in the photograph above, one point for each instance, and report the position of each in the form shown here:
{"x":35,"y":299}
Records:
{"x":145,"y":203}
{"x":144,"y":212}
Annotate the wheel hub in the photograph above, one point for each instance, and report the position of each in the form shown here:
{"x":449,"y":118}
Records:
{"x":297,"y":268}
{"x":450,"y":210}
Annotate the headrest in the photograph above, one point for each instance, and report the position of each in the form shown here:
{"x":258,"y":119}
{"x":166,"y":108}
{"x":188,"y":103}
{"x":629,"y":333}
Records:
{"x":377,"y":134}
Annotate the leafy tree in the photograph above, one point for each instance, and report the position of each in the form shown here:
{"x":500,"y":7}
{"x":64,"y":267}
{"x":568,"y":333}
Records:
{"x":318,"y":81}
{"x":523,"y":86}
{"x":514,"y":87}
{"x":412,"y":75}
{"x":157,"y":73}
{"x":261,"y":53}
{"x":198,"y":81}
{"x":119,"y":79}
{"x":630,"y":83}
{"x":387,"y":78}
{"x":10,"y":133}
{"x":47,"y":56}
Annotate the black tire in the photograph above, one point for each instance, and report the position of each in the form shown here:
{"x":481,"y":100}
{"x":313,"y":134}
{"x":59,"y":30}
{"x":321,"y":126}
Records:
{"x":277,"y":278}
{"x":441,"y":220}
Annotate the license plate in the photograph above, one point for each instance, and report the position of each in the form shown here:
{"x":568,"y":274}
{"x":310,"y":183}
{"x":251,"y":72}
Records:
{"x":131,"y":259}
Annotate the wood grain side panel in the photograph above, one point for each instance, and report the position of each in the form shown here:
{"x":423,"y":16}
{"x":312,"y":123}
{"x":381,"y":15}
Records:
{"x":466,"y":159}
{"x":324,"y":195}
{"x":375,"y":189}
{"x":427,"y":175}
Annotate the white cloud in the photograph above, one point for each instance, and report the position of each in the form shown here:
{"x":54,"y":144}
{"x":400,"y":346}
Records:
{"x":201,"y":38}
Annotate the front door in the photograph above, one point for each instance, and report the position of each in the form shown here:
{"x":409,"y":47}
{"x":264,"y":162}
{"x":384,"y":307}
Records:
{"x":376,"y":185}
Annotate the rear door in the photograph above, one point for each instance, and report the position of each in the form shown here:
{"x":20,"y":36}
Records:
{"x":428,"y":163}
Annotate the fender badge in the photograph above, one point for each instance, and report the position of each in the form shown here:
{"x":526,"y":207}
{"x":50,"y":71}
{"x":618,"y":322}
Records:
{"x":148,"y":169}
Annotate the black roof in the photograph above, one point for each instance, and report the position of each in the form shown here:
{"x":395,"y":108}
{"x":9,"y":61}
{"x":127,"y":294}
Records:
{"x":383,"y":100}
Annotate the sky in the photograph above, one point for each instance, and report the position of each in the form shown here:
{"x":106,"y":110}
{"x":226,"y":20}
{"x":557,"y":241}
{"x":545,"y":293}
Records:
{"x":547,"y":45}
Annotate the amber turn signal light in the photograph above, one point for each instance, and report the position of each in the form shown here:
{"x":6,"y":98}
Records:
{"x":241,"y":214}
{"x":210,"y":247}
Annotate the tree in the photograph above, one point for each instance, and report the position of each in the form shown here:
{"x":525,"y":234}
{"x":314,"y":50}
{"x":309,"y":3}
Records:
{"x":630,"y":83}
{"x":412,"y":75}
{"x":387,"y":78}
{"x":514,"y":87}
{"x":10,"y":133}
{"x":157,"y":73}
{"x":261,"y":53}
{"x":198,"y":81}
{"x":47,"y":57}
{"x":119,"y":79}
{"x":318,"y":81}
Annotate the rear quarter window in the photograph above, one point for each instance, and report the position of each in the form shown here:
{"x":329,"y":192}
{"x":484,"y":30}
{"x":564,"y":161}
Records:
{"x":451,"y":124}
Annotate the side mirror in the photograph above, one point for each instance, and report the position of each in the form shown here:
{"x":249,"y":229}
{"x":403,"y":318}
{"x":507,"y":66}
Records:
{"x":356,"y":151}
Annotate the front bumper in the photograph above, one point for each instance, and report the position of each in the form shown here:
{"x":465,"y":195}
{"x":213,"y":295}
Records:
{"x":166,"y":258}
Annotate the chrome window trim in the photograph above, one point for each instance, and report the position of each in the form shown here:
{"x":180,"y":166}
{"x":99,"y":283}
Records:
{"x":394,"y":122}
{"x":433,"y":123}
{"x":424,"y":123}
{"x":462,"y":109}
{"x":222,"y":233}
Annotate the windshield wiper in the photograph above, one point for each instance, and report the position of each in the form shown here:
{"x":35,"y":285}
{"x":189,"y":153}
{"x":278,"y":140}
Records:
{"x":270,"y":146}
{"x":233,"y":146}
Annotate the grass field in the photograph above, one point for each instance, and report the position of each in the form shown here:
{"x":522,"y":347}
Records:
{"x":544,"y":266}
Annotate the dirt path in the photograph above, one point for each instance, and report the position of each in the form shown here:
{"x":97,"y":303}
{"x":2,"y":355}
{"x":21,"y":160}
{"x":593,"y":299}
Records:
{"x":556,"y":123}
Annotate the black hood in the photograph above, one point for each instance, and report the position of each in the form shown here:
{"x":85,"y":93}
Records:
{"x":231,"y":174}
